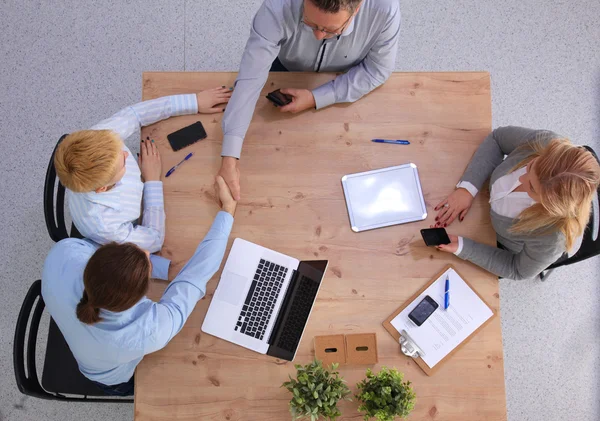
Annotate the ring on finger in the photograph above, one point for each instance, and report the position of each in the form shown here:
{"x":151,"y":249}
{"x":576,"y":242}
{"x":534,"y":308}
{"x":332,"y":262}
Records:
{"x":446,"y":205}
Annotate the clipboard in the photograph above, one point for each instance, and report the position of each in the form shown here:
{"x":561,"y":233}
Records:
{"x":387,"y":324}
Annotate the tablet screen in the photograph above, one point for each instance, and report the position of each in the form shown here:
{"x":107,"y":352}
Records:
{"x":384,"y":197}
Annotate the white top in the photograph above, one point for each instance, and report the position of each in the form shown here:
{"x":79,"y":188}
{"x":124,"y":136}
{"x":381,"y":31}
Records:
{"x":503,"y":199}
{"x":112,"y":215}
{"x":507,"y":202}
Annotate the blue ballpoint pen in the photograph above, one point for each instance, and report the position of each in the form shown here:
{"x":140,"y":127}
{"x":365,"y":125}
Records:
{"x":394,"y":142}
{"x":447,"y":294}
{"x":182,"y":161}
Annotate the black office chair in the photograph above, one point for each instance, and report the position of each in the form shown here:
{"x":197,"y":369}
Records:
{"x":590,"y":245}
{"x":54,"y":206}
{"x":61,"y":375}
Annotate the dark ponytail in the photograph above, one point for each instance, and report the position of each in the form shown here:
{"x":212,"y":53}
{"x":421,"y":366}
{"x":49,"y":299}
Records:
{"x":115,"y":278}
{"x":86,"y":312}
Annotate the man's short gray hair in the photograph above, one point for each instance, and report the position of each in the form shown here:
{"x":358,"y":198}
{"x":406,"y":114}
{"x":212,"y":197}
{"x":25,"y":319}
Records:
{"x":334,"y":6}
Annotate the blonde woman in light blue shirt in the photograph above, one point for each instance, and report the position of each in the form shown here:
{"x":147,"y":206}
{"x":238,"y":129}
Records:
{"x":103,"y":181}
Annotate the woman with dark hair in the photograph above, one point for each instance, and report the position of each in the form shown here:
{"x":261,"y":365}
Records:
{"x":97,"y":297}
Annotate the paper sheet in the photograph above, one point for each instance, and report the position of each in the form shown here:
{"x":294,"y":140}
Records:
{"x":444,"y":330}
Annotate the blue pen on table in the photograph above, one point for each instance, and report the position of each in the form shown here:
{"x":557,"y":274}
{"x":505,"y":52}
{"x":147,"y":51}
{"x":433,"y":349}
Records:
{"x":447,"y":294}
{"x":182,"y":161}
{"x":394,"y":142}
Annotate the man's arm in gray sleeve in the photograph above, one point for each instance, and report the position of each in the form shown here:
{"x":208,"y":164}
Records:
{"x":261,"y":49}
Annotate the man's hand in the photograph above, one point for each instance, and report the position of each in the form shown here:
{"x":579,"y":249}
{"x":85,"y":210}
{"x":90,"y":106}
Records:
{"x":207,"y":100}
{"x":231,"y":174}
{"x":225,"y":198}
{"x":449,"y":248}
{"x":149,"y":161}
{"x":302,"y":99}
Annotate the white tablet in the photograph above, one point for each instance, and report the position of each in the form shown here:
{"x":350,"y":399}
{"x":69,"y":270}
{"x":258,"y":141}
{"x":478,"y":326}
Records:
{"x":384,"y":197}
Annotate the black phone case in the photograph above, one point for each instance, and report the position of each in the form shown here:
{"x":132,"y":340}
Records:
{"x":435,"y":307}
{"x":187,"y":136}
{"x":435,"y":236}
{"x":275,"y":100}
{"x":415,"y":321}
{"x":279,"y":99}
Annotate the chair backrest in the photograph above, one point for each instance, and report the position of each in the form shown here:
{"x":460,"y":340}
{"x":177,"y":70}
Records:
{"x":28,"y":382}
{"x":54,"y":205}
{"x":25,"y":368}
{"x":590,"y":245}
{"x":55,"y":222}
{"x":594,"y":224}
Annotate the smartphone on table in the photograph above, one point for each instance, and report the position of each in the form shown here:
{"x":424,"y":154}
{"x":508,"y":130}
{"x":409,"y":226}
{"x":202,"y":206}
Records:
{"x":187,"y":136}
{"x":435,"y":236}
{"x":423,"y":310}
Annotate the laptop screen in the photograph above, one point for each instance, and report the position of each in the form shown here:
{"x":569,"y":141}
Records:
{"x":319,"y":265}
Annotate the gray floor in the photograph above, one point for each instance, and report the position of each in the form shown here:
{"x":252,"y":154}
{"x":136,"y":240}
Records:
{"x":64,"y":65}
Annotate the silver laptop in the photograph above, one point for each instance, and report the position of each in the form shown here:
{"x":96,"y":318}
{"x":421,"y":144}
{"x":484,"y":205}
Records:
{"x":264,"y":299}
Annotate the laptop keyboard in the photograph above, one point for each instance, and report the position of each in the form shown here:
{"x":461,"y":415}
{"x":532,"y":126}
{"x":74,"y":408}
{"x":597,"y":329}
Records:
{"x":298,"y":314}
{"x":261,"y":298}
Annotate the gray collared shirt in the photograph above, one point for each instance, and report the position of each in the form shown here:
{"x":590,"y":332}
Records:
{"x":366,"y":51}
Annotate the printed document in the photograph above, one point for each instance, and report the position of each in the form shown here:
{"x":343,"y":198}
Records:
{"x":444,"y":330}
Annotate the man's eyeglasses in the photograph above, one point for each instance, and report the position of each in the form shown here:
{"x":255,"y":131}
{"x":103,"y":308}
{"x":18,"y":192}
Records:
{"x":327,"y":33}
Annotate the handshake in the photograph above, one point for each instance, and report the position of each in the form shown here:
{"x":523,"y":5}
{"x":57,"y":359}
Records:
{"x":150,"y":164}
{"x":224,"y":196}
{"x":299,"y":100}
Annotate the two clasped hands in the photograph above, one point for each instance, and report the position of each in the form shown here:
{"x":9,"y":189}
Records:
{"x":302,"y":99}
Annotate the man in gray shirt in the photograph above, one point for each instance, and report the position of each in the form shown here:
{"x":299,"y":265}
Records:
{"x":358,"y":37}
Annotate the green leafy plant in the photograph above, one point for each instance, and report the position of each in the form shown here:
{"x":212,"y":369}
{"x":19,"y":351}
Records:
{"x":384,"y":396}
{"x":316,"y":392}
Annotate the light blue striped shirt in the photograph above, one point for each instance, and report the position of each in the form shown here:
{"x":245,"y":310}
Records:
{"x":112,"y":215}
{"x":109,"y":351}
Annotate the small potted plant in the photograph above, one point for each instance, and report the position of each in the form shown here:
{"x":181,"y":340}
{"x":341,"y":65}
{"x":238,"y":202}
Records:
{"x":384,"y":396}
{"x":316,"y":392}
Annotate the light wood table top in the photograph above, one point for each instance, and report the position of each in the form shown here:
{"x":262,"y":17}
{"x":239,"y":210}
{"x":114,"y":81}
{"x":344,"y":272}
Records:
{"x":292,"y":202}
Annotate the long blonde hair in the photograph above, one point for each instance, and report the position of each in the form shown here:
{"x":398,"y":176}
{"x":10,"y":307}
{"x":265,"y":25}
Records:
{"x":569,"y":176}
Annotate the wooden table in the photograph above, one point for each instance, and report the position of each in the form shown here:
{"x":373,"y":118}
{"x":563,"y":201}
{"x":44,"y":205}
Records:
{"x":292,"y":202}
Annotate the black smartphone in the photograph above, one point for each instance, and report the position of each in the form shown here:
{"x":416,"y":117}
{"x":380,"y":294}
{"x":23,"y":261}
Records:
{"x":279,"y":99}
{"x":423,"y":310}
{"x":435,"y":236}
{"x":187,"y":136}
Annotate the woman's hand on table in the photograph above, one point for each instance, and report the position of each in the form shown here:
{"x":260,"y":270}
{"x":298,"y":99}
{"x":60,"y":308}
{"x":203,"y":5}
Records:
{"x":149,"y":161}
{"x":454,"y":206}
{"x":449,"y":248}
{"x":210,"y":98}
{"x":228,"y":204}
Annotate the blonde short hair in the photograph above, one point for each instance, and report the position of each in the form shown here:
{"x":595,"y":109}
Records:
{"x":569,"y":177}
{"x":87,"y":160}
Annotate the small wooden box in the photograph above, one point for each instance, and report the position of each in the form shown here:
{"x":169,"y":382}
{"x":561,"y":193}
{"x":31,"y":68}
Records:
{"x":361,"y":348}
{"x":330,"y":349}
{"x":357,"y":349}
